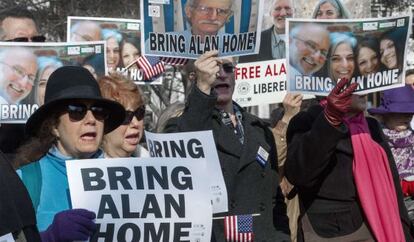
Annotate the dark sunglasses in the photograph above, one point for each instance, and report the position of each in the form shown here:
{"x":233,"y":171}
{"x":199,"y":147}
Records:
{"x":37,"y":38}
{"x":139,"y":113}
{"x":78,"y":111}
{"x":228,"y":67}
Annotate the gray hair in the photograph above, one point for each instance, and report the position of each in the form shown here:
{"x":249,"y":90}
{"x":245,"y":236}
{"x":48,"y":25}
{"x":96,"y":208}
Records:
{"x":336,"y":39}
{"x":343,"y":13}
{"x":108,"y":33}
{"x":192,"y":3}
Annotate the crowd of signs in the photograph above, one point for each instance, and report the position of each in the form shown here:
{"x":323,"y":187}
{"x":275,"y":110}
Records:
{"x":167,"y":196}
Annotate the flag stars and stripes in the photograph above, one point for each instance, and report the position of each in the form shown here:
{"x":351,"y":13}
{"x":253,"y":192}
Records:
{"x":238,"y":228}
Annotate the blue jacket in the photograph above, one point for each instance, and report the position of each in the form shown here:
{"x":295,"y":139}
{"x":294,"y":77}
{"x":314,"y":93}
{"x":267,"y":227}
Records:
{"x":47,"y":183}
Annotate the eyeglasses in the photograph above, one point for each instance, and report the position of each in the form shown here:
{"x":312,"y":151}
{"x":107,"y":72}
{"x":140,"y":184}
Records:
{"x":311,"y":46}
{"x":77,"y":111}
{"x":139,"y":113}
{"x":83,"y":37}
{"x":228,"y":67}
{"x":20,"y":72}
{"x":37,"y":38}
{"x":209,"y":10}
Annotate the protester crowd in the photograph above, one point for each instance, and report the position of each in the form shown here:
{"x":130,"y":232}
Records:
{"x":327,"y":169}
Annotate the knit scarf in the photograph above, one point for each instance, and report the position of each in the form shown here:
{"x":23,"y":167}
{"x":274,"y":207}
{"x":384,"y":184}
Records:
{"x":374,"y":183}
{"x":402,"y":148}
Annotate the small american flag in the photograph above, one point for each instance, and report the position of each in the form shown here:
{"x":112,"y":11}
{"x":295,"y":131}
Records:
{"x":238,"y":228}
{"x":152,"y":66}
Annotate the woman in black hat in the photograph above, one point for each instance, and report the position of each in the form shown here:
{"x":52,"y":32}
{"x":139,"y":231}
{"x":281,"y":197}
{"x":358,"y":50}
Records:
{"x":70,"y":125}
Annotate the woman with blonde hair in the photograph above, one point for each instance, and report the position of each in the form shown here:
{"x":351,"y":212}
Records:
{"x":124,"y":141}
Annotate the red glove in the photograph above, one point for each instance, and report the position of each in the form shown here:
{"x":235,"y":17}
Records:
{"x":339,"y":102}
{"x":407,"y":188}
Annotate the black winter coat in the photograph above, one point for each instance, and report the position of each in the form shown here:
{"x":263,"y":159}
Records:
{"x":16,"y":210}
{"x":319,"y":164}
{"x":251,"y":188}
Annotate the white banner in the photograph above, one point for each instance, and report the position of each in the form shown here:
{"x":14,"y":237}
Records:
{"x":26,"y":67}
{"x":196,"y":145}
{"x":143,"y":199}
{"x":7,"y":238}
{"x":260,"y":82}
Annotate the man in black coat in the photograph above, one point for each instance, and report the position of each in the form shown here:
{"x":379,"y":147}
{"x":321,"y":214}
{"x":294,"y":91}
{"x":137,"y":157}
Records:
{"x":16,"y":210}
{"x":245,"y":146}
{"x":320,"y":163}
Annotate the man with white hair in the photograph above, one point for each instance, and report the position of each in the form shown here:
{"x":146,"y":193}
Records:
{"x":207,"y":17}
{"x":18,"y":68}
{"x":272,"y":41}
{"x":308,"y":50}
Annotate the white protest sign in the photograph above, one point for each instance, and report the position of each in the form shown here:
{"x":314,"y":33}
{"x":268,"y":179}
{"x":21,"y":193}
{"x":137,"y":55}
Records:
{"x":143,"y":199}
{"x":261,"y":82}
{"x":196,"y":145}
{"x":370,"y":52}
{"x":7,"y":238}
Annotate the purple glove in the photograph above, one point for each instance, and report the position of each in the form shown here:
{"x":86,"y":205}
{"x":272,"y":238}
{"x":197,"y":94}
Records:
{"x":70,"y":225}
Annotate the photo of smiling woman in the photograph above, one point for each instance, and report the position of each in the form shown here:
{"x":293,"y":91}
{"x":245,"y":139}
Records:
{"x":392,"y":50}
{"x":367,"y":56}
{"x":341,"y":57}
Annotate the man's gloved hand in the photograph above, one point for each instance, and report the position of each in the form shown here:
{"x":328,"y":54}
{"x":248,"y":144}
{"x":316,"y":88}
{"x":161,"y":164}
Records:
{"x":70,"y":225}
{"x":339,"y":102}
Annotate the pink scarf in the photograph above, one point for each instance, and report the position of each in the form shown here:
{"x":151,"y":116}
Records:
{"x":374,"y":183}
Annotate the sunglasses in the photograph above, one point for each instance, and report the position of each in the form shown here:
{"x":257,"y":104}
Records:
{"x":37,"y":38}
{"x":78,"y":111}
{"x":139,"y":113}
{"x":228,"y":67}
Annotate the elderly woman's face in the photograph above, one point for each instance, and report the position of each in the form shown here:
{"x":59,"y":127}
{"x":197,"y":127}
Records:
{"x":112,"y":53}
{"x":388,"y":53}
{"x":41,"y":86}
{"x":80,"y":136}
{"x":367,"y":61}
{"x":342,"y":62}
{"x":123,"y":141}
{"x":397,"y":121}
{"x":327,"y":11}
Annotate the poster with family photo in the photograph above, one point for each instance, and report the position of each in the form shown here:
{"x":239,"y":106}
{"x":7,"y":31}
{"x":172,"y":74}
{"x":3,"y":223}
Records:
{"x":189,"y":28}
{"x":123,"y":42}
{"x":371,"y":52}
{"x":26,"y":67}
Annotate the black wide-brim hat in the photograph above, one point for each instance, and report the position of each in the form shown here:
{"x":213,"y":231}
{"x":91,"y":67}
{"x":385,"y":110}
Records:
{"x":71,"y":83}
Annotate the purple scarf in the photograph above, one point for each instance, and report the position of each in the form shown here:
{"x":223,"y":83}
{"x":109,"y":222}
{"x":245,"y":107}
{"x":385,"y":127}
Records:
{"x":402,"y":147}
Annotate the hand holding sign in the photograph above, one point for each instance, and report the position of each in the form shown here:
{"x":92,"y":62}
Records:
{"x":339,"y":101}
{"x":70,"y":225}
{"x":291,"y":104}
{"x":207,"y":68}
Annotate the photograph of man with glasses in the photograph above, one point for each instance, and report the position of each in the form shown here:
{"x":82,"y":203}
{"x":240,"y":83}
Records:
{"x":189,"y":28}
{"x":207,"y":17}
{"x":308,"y":50}
{"x":18,"y":68}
